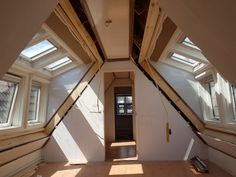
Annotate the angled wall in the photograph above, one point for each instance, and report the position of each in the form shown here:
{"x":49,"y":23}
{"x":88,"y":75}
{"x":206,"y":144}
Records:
{"x":61,"y":86}
{"x":20,"y":21}
{"x":80,"y":136}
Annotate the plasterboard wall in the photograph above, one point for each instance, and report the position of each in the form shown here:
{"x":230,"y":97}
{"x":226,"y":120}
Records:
{"x":216,"y":38}
{"x":19,"y":26}
{"x":184,"y":84}
{"x":80,"y":136}
{"x":61,"y":86}
{"x":222,"y":160}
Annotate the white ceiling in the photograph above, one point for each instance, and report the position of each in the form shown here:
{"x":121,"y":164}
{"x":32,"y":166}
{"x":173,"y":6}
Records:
{"x":114,"y":36}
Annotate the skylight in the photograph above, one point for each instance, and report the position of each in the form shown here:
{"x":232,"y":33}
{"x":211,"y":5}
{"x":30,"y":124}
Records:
{"x":58,"y":64}
{"x":184,"y":59}
{"x":38,"y":50}
{"x":189,"y":43}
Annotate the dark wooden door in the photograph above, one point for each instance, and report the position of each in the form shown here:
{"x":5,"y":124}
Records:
{"x":123,"y":113}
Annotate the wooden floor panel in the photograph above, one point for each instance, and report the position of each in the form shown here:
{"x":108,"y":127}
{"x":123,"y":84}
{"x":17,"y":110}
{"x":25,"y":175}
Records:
{"x":129,"y":169}
{"x":121,"y":151}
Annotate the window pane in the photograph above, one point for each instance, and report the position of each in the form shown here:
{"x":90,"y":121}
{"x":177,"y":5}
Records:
{"x":58,"y":64}
{"x":42,"y":48}
{"x":184,"y":59}
{"x":128,"y":99}
{"x":129,"y":109}
{"x":214,"y":104}
{"x":34,"y":103}
{"x":7,"y":92}
{"x":121,"y":110}
{"x":120,"y":99}
{"x":233,"y":91}
{"x":189,"y":43}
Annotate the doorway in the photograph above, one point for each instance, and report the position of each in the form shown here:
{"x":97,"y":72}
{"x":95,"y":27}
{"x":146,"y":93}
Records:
{"x":123,"y":114}
{"x":120,"y":130}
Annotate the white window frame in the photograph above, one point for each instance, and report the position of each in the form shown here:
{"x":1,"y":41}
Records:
{"x":206,"y":99}
{"x":42,"y":105}
{"x":233,"y":102}
{"x":36,"y":120}
{"x":11,"y":118}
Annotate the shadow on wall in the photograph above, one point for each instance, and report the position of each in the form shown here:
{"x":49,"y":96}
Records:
{"x":80,"y":136}
{"x":74,"y":141}
{"x":61,"y":86}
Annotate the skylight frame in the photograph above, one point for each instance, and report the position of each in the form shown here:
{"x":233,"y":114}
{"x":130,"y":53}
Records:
{"x":37,"y":54}
{"x":187,"y":42}
{"x":58,"y":64}
{"x":183,"y":59}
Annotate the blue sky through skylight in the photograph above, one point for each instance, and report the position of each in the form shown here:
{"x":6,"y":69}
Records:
{"x":37,"y":49}
{"x":58,"y":64}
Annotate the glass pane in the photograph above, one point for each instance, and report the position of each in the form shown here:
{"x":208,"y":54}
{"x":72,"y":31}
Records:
{"x":189,"y":43}
{"x":215,"y":107}
{"x":184,"y":59}
{"x":129,"y":108}
{"x":233,"y":91}
{"x":121,"y":110}
{"x":121,"y":106}
{"x":34,"y":103}
{"x":7,"y":92}
{"x":128,"y":99}
{"x":58,"y":64}
{"x":120,"y":99}
{"x":39,"y":48}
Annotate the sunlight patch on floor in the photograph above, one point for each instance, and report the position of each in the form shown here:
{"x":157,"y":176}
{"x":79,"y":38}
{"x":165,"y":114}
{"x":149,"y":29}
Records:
{"x":117,"y":144}
{"x":126,"y":169}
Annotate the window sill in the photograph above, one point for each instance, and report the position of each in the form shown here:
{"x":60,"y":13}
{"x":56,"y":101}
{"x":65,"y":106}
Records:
{"x":9,"y":128}
{"x":33,"y":125}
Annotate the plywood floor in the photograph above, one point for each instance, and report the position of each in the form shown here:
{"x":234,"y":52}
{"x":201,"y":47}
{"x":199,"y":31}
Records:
{"x":121,"y":160}
{"x":129,"y":169}
{"x":121,"y":151}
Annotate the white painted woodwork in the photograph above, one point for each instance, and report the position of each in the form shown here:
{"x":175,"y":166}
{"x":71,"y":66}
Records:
{"x":114,"y":36}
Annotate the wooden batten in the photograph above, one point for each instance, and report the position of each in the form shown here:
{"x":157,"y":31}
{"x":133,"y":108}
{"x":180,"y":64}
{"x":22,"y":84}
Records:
{"x":21,"y":140}
{"x":153,"y":28}
{"x":175,"y":98}
{"x":66,"y":13}
{"x":71,"y":99}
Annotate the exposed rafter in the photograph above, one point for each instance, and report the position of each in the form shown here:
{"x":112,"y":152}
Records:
{"x":66,"y":13}
{"x":153,"y":28}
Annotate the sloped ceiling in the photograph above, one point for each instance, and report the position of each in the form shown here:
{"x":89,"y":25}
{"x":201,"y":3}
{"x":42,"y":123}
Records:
{"x":211,"y":26}
{"x":20,"y":20}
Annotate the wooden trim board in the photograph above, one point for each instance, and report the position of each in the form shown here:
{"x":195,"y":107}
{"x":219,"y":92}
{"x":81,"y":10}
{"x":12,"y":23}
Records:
{"x":71,"y":99}
{"x":175,"y":98}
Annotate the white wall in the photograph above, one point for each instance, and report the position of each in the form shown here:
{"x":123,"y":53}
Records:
{"x":184,"y":84}
{"x":61,"y":86}
{"x":80,"y":136}
{"x":222,"y":160}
